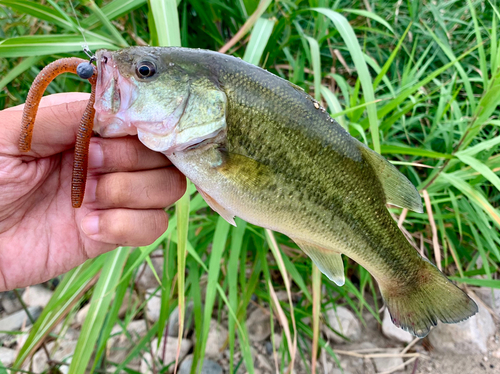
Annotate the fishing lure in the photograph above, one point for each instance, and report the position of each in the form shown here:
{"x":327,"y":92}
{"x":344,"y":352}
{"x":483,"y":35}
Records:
{"x":85,"y":70}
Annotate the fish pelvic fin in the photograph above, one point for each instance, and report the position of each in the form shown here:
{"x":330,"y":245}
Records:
{"x":329,"y":262}
{"x":398,"y":189}
{"x":223,"y":212}
{"x":426,"y":298}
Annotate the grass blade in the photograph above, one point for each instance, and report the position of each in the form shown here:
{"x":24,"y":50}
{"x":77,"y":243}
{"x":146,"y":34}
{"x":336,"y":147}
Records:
{"x":38,"y":45}
{"x":41,"y":12}
{"x":219,"y":244}
{"x":74,"y":284}
{"x":107,"y":23}
{"x":182,"y":213}
{"x":316,"y":291}
{"x":258,"y":40}
{"x":350,"y":40}
{"x":166,"y":21}
{"x":99,"y":305}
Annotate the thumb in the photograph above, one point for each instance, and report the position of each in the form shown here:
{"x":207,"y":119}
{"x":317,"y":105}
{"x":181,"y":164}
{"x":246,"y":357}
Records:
{"x":55,"y":128}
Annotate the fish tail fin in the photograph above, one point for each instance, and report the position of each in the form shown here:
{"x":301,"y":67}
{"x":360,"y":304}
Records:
{"x":425,"y":298}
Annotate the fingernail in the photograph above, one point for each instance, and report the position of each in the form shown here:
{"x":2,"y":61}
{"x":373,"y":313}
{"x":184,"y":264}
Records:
{"x":90,"y":190}
{"x":96,"y":156}
{"x":90,"y":225}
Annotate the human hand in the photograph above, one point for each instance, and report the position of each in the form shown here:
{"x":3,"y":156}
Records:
{"x":41,"y":234}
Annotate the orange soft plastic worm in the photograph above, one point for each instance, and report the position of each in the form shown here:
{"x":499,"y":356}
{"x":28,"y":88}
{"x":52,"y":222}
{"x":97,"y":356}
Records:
{"x":47,"y":75}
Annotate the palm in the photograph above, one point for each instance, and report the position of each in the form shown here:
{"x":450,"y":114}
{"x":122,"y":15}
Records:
{"x":41,"y":234}
{"x":39,"y":229}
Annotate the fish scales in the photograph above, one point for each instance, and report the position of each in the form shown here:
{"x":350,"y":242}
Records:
{"x":258,"y":147}
{"x":303,"y":145}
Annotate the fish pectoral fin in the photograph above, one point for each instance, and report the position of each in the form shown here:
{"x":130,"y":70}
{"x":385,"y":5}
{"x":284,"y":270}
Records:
{"x":223,"y":212}
{"x":398,"y":189}
{"x":329,"y":262}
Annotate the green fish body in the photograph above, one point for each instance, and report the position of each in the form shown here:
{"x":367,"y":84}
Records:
{"x":260,"y":148}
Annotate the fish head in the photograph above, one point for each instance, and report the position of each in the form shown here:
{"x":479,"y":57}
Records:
{"x":154,"y":93}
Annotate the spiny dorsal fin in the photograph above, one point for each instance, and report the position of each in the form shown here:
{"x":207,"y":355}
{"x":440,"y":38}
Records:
{"x":398,"y":189}
{"x":329,"y":262}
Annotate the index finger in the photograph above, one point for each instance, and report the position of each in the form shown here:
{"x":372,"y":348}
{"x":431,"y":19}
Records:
{"x":55,"y":126}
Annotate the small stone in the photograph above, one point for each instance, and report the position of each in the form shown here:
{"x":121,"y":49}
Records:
{"x":15,"y":321}
{"x":7,"y":356}
{"x":170,"y":353}
{"x":496,"y":353}
{"x":345,"y":322}
{"x":37,"y":296}
{"x":153,"y":304}
{"x":262,"y":363}
{"x":10,"y":303}
{"x":81,"y":315}
{"x":173,"y":320}
{"x":383,"y":364}
{"x":392,"y":332}
{"x":119,"y":344}
{"x":467,"y":337}
{"x":217,"y":336}
{"x":259,"y":325}
{"x":491,"y":297}
{"x":64,"y":353}
{"x":145,"y":276}
{"x":269,"y":348}
{"x":208,"y":367}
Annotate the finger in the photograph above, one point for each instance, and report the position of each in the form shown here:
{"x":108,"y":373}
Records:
{"x":123,"y":154}
{"x":126,"y":227}
{"x":148,"y":189}
{"x":55,"y":126}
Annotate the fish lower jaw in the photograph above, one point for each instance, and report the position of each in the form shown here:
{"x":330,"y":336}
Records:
{"x":113,"y":126}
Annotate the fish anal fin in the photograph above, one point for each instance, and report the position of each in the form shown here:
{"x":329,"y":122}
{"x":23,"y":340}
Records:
{"x":329,"y":262}
{"x":223,"y":212}
{"x":398,"y":189}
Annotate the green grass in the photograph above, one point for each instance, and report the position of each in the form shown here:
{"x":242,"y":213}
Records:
{"x":419,"y":83}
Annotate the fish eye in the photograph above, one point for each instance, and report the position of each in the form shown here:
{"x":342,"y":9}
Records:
{"x":145,"y":69}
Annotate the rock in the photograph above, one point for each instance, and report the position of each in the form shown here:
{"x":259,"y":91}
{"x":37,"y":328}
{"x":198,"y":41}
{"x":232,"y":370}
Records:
{"x":217,"y":336}
{"x":350,"y":364}
{"x":7,"y":356}
{"x":467,"y":337}
{"x":145,"y":276}
{"x":173,"y":320}
{"x":119,"y":344}
{"x":259,"y":325}
{"x":64,"y":353}
{"x":10,"y":303}
{"x":262,"y":363}
{"x":153,"y":304}
{"x":383,"y":364}
{"x":345,"y":322}
{"x":15,"y":321}
{"x":129,"y":301}
{"x":209,"y":366}
{"x":37,"y":296}
{"x":392,"y":332}
{"x":170,"y":353}
{"x":81,"y":315}
{"x":491,"y":297}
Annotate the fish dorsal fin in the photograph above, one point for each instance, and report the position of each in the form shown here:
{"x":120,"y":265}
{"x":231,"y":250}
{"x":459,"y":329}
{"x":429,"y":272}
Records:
{"x":398,"y":189}
{"x":329,"y":262}
{"x":223,"y":212}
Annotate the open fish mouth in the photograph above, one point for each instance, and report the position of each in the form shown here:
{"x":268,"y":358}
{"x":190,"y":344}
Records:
{"x":115,"y":94}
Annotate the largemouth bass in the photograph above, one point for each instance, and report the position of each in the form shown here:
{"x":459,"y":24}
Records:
{"x":258,"y":147}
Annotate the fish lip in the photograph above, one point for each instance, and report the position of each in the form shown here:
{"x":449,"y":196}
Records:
{"x":114,"y":94}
